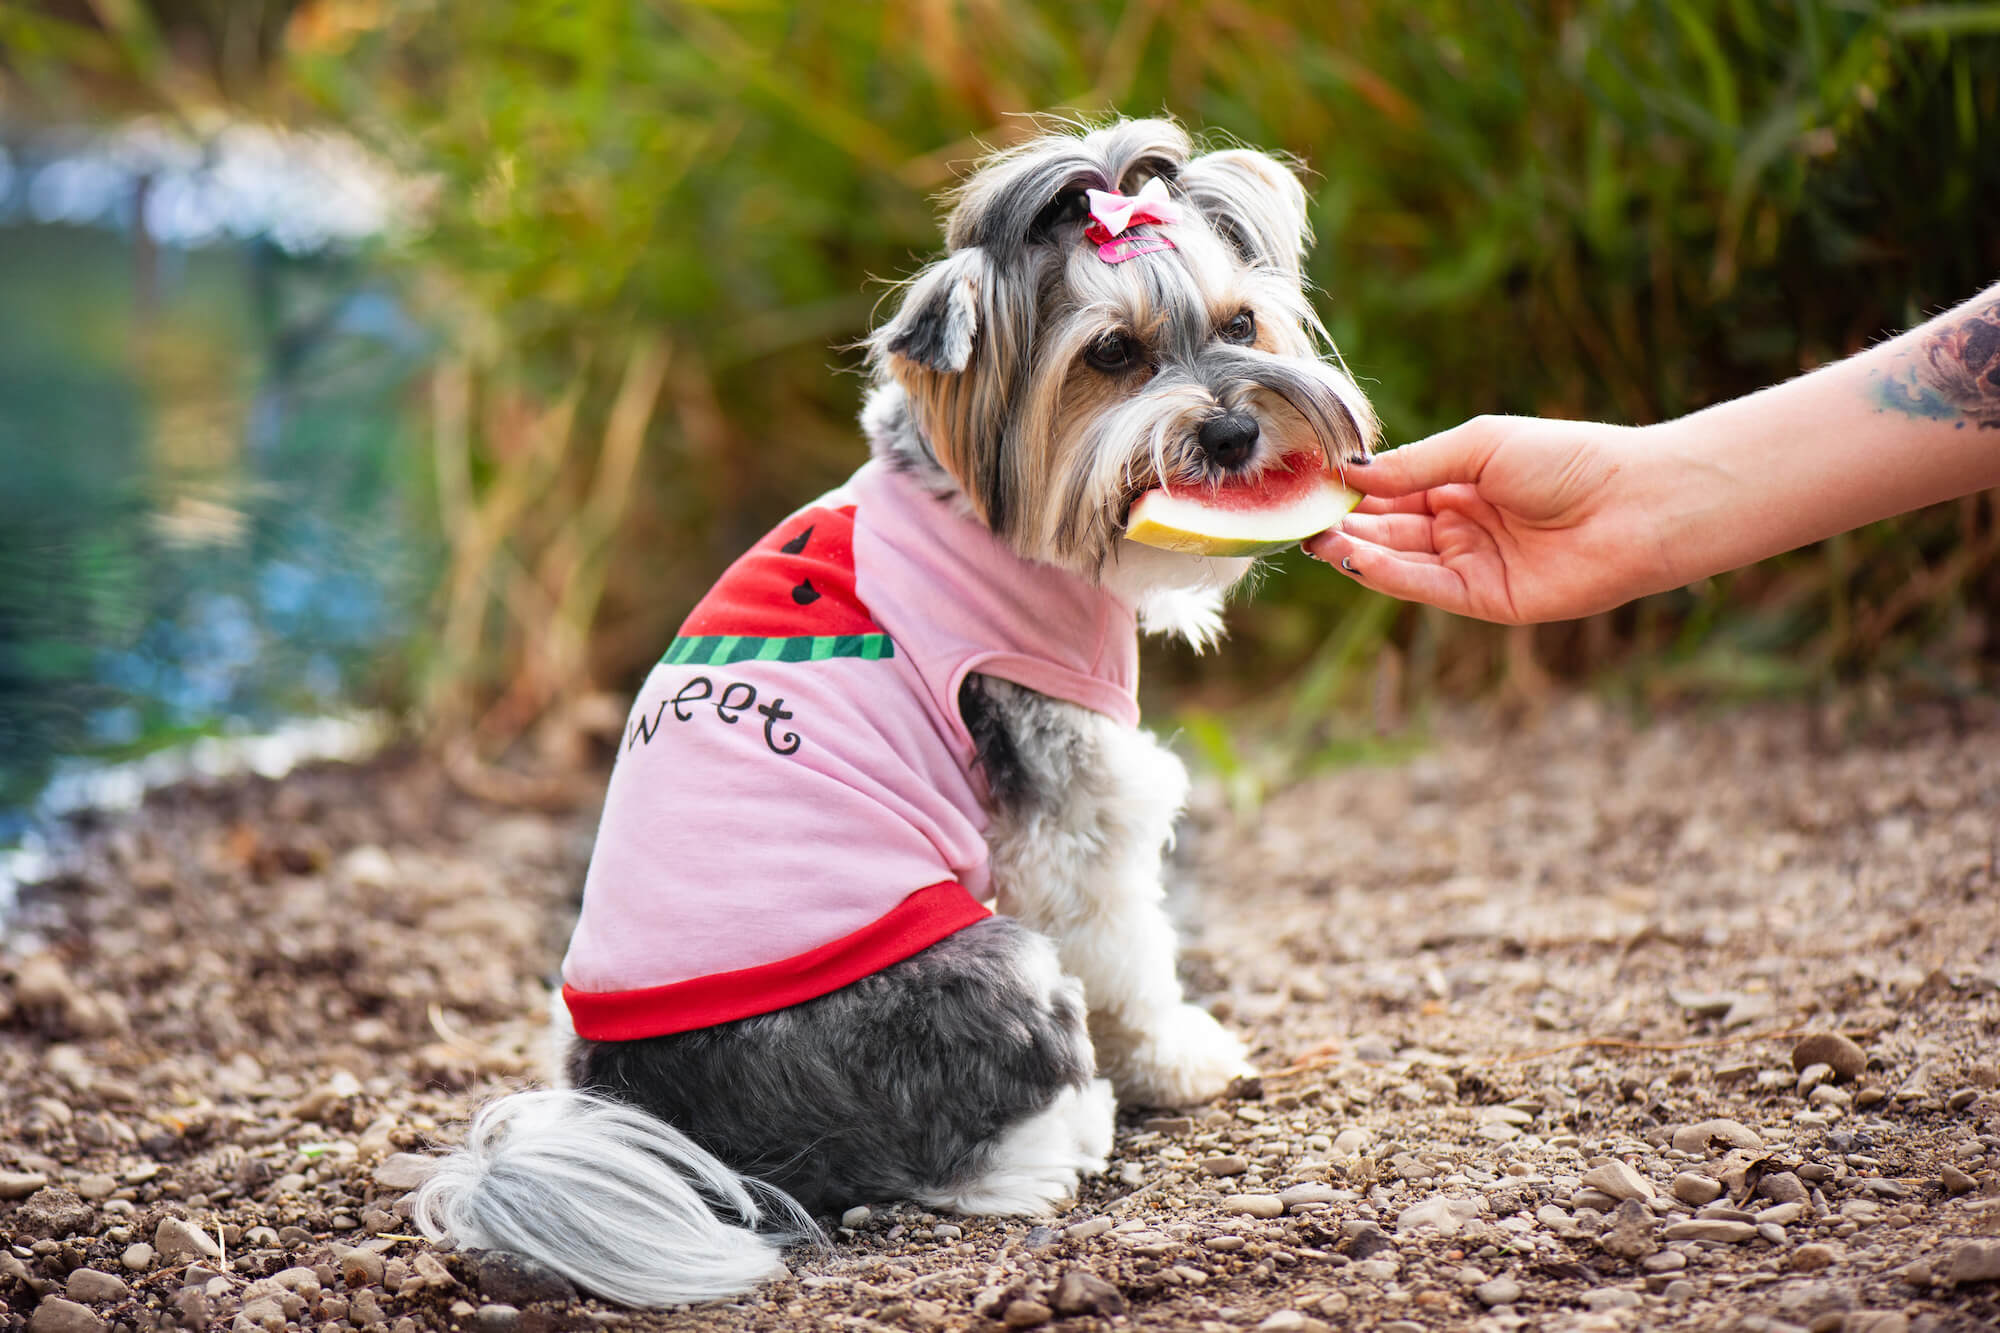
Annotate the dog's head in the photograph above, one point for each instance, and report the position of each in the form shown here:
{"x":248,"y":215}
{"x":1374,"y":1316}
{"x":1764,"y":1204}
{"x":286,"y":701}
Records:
{"x":1055,"y":368}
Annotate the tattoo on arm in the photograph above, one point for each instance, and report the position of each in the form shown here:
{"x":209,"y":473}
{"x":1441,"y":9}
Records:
{"x":1951,"y":372}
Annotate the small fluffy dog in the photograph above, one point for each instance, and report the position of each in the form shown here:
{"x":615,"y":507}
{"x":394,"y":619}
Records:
{"x":784,"y":995}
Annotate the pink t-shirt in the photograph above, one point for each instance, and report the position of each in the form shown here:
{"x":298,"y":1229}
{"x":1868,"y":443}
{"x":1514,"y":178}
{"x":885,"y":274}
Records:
{"x":795,"y":803}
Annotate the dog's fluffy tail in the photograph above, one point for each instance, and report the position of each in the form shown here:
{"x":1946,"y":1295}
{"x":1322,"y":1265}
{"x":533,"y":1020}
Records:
{"x":622,"y":1204}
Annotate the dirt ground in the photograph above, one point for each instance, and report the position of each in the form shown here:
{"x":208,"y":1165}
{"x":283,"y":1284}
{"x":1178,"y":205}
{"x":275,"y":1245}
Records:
{"x":1531,"y":1007}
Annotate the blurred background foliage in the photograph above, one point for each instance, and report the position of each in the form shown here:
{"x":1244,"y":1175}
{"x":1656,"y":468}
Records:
{"x":644,"y":229}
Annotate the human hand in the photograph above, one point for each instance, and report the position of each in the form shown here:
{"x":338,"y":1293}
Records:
{"x":1510,"y":519}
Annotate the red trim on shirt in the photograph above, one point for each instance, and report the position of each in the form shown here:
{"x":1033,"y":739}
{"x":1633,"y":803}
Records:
{"x":914,"y":924}
{"x":797,"y":581}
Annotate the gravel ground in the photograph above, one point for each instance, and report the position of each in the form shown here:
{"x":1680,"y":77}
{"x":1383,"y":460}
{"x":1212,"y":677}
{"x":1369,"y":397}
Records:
{"x":1574,"y":1025}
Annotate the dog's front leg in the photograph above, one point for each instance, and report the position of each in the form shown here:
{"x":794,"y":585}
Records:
{"x":1084,"y":809}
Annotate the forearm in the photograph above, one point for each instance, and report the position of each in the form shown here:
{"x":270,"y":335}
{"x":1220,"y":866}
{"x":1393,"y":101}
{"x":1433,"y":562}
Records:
{"x":1908,"y":423}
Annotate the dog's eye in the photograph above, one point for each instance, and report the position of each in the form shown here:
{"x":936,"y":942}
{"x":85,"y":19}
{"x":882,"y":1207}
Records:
{"x":1240,"y":329}
{"x":1113,"y":354}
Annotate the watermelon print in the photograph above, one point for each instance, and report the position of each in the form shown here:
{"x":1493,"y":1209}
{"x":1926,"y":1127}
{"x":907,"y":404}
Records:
{"x":789,"y":598}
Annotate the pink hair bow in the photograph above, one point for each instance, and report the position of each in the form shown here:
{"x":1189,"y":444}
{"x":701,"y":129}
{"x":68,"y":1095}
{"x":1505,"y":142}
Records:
{"x":1112,"y":213}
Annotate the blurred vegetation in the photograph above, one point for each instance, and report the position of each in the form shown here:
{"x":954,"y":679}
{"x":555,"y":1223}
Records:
{"x":650,"y":222}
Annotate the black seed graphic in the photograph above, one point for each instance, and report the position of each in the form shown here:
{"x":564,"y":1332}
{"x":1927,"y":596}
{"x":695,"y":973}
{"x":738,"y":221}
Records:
{"x":798,"y":543}
{"x":805,"y":594}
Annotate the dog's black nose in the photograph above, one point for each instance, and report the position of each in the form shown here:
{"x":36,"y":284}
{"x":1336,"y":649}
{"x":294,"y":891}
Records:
{"x":1228,"y":439}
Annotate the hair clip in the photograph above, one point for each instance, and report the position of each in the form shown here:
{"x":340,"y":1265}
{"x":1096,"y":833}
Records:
{"x":1112,"y":213}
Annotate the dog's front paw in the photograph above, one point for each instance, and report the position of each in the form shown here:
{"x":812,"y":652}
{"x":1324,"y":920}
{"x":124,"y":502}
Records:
{"x":1187,"y":1057}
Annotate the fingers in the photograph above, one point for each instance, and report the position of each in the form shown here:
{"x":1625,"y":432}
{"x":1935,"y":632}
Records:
{"x":1455,"y":455}
{"x":1411,"y":578}
{"x":1403,"y":532}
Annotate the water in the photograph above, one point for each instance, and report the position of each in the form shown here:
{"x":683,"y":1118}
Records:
{"x":212,"y":519}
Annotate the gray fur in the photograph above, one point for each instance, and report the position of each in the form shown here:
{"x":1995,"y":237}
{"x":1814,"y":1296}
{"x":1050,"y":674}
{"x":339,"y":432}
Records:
{"x":894,"y":1086}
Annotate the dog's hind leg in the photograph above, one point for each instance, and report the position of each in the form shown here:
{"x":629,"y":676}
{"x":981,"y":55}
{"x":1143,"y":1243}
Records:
{"x":1084,"y":810}
{"x":961,"y":1076}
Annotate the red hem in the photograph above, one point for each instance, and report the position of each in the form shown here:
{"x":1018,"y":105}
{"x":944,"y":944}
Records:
{"x":914,"y":924}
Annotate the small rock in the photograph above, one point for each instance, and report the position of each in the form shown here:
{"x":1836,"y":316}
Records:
{"x":1847,"y":1060}
{"x":1679,"y":1292}
{"x":1917,"y":1273}
{"x":1875,"y":1321}
{"x":1081,"y":1293}
{"x":97,"y":1185}
{"x":1374,"y":1048}
{"x":1256,"y":1205}
{"x":1619,"y":1180}
{"x":1039,"y":1238}
{"x":1224,"y":1244}
{"x":403,"y":1170}
{"x":1666,"y":1261}
{"x":1783,"y":1187}
{"x":857,"y":1216}
{"x":1782,"y":1214}
{"x":1974,"y":1261}
{"x":1698,"y":1138}
{"x":1696,"y":1189}
{"x":1094,"y":1227}
{"x":1026,"y":1314}
{"x":1610,"y":1298}
{"x":1811,"y":1077}
{"x":1771,"y":1232}
{"x":1307,"y":1194}
{"x":1367,"y":1242}
{"x":137,"y":1258}
{"x":1630,"y":1234}
{"x":1223,"y":1166}
{"x":192,"y":1305}
{"x":505,"y":1278}
{"x":363,"y":1268}
{"x":1290,"y":1321}
{"x":177,"y":1240}
{"x":947,"y":1231}
{"x":52,"y":1213}
{"x":95,"y":1288}
{"x":1956,"y":1181}
{"x":1718,"y":1229}
{"x":1172,"y":1125}
{"x":56,"y":1315}
{"x":496,"y":1318}
{"x":1376,"y":1270}
{"x":1352,"y":1142}
{"x":1500,"y":1291}
{"x":20,"y":1184}
{"x":429,"y":1273}
{"x":1447,"y":1216}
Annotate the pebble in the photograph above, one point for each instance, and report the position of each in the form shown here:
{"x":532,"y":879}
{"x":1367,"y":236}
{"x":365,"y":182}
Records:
{"x":1974,"y":1261}
{"x":1718,"y":1229}
{"x":1619,"y":1180}
{"x":1256,"y":1205}
{"x":1630,"y":1233}
{"x":20,"y":1184}
{"x":1352,"y":1142}
{"x":51,"y":1213}
{"x":1307,"y":1194}
{"x":857,"y":1216}
{"x":1917,"y":1273}
{"x":497,"y":1318}
{"x":1697,"y":1138}
{"x":138,"y":1258}
{"x":1096,"y":1226}
{"x":1956,"y":1181}
{"x":1696,"y":1189}
{"x":1374,"y":1048}
{"x":1666,"y":1261}
{"x":1446,"y":1215}
{"x":1783,"y":1187}
{"x":501,"y":1277}
{"x":1500,"y":1291}
{"x":403,"y":1170}
{"x":1026,"y":1314}
{"x":56,"y":1315}
{"x":1081,"y":1293}
{"x":1223,"y":1166}
{"x":947,"y":1231}
{"x":1875,"y":1321}
{"x":1679,"y":1292}
{"x":1600,"y":1299}
{"x":1847,"y":1060}
{"x":1225,"y":1244}
{"x":1961,"y":1099}
{"x":97,"y":1185}
{"x":176,"y":1240}
{"x":363,"y":1268}
{"x":1771,"y":1232}
{"x":95,"y":1288}
{"x":1290,"y":1321}
{"x":1376,"y":1270}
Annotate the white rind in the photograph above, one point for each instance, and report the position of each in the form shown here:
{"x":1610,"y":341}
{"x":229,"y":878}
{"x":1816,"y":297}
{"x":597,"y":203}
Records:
{"x":1181,"y":521}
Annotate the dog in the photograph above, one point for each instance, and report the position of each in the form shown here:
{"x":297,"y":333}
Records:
{"x":785,"y":995}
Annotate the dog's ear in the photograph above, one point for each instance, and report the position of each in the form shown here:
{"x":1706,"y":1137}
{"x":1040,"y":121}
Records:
{"x":1255,"y":202}
{"x":938,"y":322}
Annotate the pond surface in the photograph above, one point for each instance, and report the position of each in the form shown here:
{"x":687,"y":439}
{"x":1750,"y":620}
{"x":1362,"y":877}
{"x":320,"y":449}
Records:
{"x":212,"y":517}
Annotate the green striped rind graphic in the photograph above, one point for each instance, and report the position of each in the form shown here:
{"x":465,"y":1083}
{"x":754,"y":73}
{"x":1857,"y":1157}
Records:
{"x":722,"y":649}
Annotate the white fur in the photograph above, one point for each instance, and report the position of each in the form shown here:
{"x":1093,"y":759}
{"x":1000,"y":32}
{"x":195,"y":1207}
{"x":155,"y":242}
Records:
{"x":1035,"y":1164}
{"x":1086,"y":872}
{"x":623,"y":1204}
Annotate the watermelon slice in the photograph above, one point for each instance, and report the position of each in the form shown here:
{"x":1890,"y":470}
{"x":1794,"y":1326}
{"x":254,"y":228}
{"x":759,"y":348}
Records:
{"x":1277,"y":508}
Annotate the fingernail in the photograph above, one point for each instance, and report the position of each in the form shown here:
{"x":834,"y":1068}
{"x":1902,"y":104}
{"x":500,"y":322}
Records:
{"x":1361,"y":460}
{"x":1348,"y":565}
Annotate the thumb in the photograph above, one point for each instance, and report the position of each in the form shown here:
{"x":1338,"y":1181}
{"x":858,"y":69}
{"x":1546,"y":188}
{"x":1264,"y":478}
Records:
{"x":1450,"y":456}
